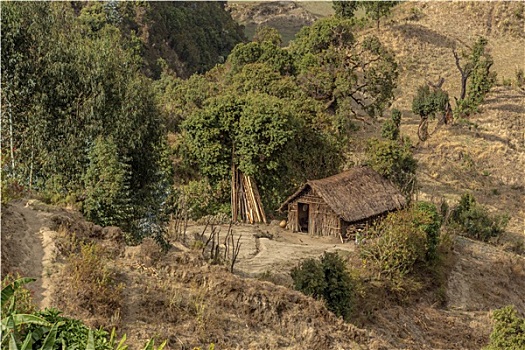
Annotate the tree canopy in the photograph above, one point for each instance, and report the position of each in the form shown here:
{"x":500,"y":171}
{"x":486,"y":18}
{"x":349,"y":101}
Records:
{"x":85,"y":120}
{"x":67,"y":82}
{"x":279,"y":114}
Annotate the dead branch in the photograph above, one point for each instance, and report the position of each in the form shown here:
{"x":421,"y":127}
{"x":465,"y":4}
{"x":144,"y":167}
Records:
{"x":235,"y":251}
{"x":465,"y":74}
{"x":438,"y":85}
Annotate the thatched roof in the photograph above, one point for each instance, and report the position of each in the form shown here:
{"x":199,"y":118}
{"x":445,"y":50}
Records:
{"x":356,"y":194}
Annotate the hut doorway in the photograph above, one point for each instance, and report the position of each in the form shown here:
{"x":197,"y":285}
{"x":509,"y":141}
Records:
{"x":303,"y":217}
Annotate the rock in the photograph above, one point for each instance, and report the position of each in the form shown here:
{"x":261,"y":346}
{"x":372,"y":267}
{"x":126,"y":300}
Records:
{"x":282,"y":224}
{"x":96,"y":231}
{"x":112,"y":232}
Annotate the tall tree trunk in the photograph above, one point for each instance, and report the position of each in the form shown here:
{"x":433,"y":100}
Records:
{"x":31,"y":167}
{"x":378,"y":14}
{"x":11,"y":141}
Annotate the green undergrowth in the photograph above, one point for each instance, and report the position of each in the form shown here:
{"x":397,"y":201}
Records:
{"x":23,"y":327}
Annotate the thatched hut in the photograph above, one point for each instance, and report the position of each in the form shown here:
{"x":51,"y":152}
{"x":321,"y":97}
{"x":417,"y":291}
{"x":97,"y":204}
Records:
{"x":329,"y":206}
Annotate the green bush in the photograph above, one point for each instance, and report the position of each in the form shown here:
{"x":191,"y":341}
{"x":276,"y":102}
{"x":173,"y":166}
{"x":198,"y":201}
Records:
{"x":427,"y":218}
{"x":397,"y":244}
{"x":394,"y":160}
{"x":390,"y":129}
{"x":475,"y":221}
{"x":326,"y":279}
{"x":509,"y":330}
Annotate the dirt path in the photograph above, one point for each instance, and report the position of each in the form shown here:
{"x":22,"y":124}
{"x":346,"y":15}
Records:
{"x":27,"y":246}
{"x":278,"y":255}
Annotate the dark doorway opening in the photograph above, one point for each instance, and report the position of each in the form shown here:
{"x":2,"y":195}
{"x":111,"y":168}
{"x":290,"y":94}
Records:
{"x":303,"y":209}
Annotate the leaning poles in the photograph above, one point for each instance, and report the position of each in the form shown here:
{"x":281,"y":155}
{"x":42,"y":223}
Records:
{"x":245,"y":199}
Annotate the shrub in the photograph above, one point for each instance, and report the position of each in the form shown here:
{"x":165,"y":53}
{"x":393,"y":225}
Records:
{"x":509,"y":330}
{"x":394,"y":160}
{"x":427,"y":218}
{"x":91,"y":285}
{"x":390,"y":129}
{"x":398,"y":243}
{"x":475,"y":221}
{"x":326,"y":279}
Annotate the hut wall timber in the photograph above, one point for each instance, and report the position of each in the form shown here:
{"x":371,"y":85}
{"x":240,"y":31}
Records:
{"x":321,"y":219}
{"x":341,"y":204}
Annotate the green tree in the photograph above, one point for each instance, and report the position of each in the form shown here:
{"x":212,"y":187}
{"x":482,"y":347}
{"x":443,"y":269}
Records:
{"x":394,"y":160}
{"x":428,"y":102}
{"x":476,"y":77}
{"x":266,"y":33}
{"x":345,"y":9}
{"x":265,"y":52}
{"x":378,"y":9}
{"x":107,"y":184}
{"x":335,"y":68}
{"x":326,"y":279}
{"x":252,"y":131}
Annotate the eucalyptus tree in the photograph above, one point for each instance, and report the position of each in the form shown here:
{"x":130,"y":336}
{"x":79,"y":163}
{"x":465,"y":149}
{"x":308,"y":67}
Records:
{"x":67,"y":83}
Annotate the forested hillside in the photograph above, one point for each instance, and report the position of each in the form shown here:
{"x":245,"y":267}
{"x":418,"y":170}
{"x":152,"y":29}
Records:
{"x":125,"y":124}
{"x":87,"y":126}
{"x":79,"y":113}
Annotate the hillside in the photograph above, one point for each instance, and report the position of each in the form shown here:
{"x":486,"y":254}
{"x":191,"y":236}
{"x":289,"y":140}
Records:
{"x":179,"y":296}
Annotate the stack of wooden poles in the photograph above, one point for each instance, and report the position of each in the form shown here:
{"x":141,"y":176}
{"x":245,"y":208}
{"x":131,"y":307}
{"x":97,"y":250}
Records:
{"x":245,"y":199}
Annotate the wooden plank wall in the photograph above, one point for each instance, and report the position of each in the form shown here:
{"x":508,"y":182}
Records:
{"x":293,"y":224}
{"x":322,"y":220}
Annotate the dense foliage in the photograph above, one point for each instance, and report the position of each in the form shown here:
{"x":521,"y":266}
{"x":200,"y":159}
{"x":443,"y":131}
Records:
{"x":73,"y":99}
{"x":282,"y":115}
{"x":509,"y":330}
{"x":428,"y":102}
{"x":85,"y":125}
{"x":190,"y":36}
{"x":326,"y":279}
{"x":474,"y":220}
{"x":403,"y":241}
